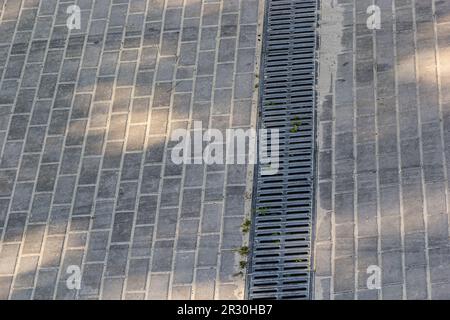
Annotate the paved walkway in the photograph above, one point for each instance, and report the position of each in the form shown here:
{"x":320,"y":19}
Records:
{"x":86,"y":178}
{"x":383,"y":192}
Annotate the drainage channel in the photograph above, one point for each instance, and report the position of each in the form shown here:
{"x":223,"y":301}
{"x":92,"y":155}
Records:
{"x":280,"y":260}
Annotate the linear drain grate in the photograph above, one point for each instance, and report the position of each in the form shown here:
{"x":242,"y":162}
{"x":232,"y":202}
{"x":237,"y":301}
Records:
{"x":282,"y":224}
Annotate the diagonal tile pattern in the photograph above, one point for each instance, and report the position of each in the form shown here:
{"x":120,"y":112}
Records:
{"x":86,"y":177}
{"x":384,"y":145}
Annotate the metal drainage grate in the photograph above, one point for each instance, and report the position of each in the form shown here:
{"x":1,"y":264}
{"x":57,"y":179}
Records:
{"x":279,"y":265}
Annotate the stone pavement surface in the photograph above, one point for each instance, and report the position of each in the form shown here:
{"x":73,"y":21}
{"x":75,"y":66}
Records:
{"x":384,"y":150}
{"x":86,"y":177}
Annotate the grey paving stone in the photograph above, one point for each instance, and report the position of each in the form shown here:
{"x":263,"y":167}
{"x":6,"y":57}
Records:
{"x":214,"y":186}
{"x":18,"y":127}
{"x":440,"y":291}
{"x":112,"y":288}
{"x":147,"y":209}
{"x":234,"y":204}
{"x":158,"y":123}
{"x":162,"y":259}
{"x":58,"y":220}
{"x":9,"y":254}
{"x":228,"y":27}
{"x":70,"y":160}
{"x":45,"y":286}
{"x":187,"y":235}
{"x":137,"y":274}
{"x":97,"y":248}
{"x":35,"y":139}
{"x":247,"y":37}
{"x":181,"y":292}
{"x":58,"y":122}
{"x":184,"y":268}
{"x":11,"y":155}
{"x":206,"y":284}
{"x":91,"y":279}
{"x":117,"y":260}
{"x":94,"y":142}
{"x":122,"y":228}
{"x":40,"y":207}
{"x":52,"y":251}
{"x":103,"y":214}
{"x":89,"y":171}
{"x":33,"y":239}
{"x":159,"y":287}
{"x":167,"y":223}
{"x":208,"y":38}
{"x":244,"y":86}
{"x":113,"y":155}
{"x":7,"y":182}
{"x":227,"y":50}
{"x":416,"y":288}
{"x":170,"y":192}
{"x":136,"y":138}
{"x":4,"y":205}
{"x":83,"y":200}
{"x":24,"y":101}
{"x":27,"y":272}
{"x":208,"y":251}
{"x":211,"y":218}
{"x":191,"y":204}
{"x":127,"y":196}
{"x":208,"y":61}
{"x":142,"y":241}
{"x":232,"y":237}
{"x":21,"y":294}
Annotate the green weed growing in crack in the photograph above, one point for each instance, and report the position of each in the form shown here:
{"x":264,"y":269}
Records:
{"x":294,"y":129}
{"x":296,"y":123}
{"x":262,"y":211}
{"x":243,"y":251}
{"x":242,"y":266}
{"x":246,"y":225}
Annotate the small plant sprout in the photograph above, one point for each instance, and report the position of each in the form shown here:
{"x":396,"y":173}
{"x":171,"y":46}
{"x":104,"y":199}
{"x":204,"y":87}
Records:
{"x":243,"y":251}
{"x":262,"y":211}
{"x":296,"y":123}
{"x":294,"y":129}
{"x":246,"y":225}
